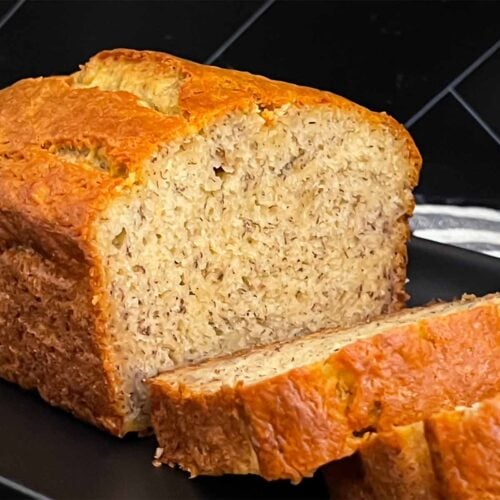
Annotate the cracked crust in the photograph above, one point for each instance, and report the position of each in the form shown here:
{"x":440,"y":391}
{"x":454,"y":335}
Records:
{"x":452,"y":454}
{"x":115,"y":113}
{"x":391,"y":465}
{"x":312,"y":414}
{"x":48,"y":114}
{"x":465,"y":451}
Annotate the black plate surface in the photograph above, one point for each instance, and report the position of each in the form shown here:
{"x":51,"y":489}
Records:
{"x":46,"y":452}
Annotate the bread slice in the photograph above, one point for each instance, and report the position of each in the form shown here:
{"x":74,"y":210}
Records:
{"x":155,"y":212}
{"x":284,"y":410}
{"x":453,"y":454}
{"x":391,"y":465}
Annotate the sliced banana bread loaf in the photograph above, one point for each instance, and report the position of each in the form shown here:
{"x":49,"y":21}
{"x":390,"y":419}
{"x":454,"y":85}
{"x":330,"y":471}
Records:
{"x":155,"y":212}
{"x":284,"y":410}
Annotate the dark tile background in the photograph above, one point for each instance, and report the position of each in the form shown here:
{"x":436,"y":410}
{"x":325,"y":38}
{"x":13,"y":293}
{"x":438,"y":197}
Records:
{"x":54,"y":37}
{"x":482,"y":90}
{"x":391,"y":56}
{"x":5,"y":5}
{"x":387,"y":56}
{"x":460,"y":157}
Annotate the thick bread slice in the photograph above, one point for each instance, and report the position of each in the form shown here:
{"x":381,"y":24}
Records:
{"x":465,"y":451}
{"x":156,"y":212}
{"x":453,"y":454}
{"x":284,"y":410}
{"x":390,"y":465}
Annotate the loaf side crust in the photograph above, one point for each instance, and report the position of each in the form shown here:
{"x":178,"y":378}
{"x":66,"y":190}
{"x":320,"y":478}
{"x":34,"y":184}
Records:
{"x":345,"y":479}
{"x":317,"y":413}
{"x":222,"y":413}
{"x":51,"y":314}
{"x":398,"y":464}
{"x":48,"y":324}
{"x":58,"y":200}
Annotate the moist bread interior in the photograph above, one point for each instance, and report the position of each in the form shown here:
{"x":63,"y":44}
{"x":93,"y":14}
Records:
{"x":264,"y":225}
{"x":275,"y":360}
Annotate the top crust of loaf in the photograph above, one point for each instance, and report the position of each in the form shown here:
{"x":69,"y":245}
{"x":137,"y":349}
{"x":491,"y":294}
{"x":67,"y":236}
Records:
{"x":122,"y":126}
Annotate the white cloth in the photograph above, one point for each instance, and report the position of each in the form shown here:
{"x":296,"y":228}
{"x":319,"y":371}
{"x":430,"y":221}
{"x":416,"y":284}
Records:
{"x":473,"y":228}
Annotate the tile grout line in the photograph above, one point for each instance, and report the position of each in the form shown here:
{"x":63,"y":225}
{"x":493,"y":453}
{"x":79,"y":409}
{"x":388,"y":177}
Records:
{"x":239,"y":31}
{"x":10,"y":13}
{"x":475,"y":115}
{"x":19,"y":488}
{"x":466,"y":72}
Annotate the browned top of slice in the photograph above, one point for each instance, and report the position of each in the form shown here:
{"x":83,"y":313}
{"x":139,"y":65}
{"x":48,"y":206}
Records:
{"x":300,"y":409}
{"x":265,"y":362}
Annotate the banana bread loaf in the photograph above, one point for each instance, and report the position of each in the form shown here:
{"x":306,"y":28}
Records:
{"x":283,"y":410}
{"x":155,"y":212}
{"x":451,"y":455}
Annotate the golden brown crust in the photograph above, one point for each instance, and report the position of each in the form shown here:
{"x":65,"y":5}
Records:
{"x":111,"y":134}
{"x":47,"y":324}
{"x":312,"y":415}
{"x":399,"y":375}
{"x":51,"y":288}
{"x":392,"y":465}
{"x":465,"y":450}
{"x":222,"y":418}
{"x":398,"y":465}
{"x":49,"y":114}
{"x":452,"y":454}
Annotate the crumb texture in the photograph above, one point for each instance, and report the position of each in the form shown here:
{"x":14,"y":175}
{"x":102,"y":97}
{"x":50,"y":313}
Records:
{"x":260,"y":364}
{"x":253,"y":232}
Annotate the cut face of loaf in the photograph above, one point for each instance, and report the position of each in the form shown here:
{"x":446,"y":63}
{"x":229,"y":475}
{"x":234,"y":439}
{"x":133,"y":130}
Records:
{"x":452,"y":454}
{"x":284,"y":410}
{"x":155,"y":213}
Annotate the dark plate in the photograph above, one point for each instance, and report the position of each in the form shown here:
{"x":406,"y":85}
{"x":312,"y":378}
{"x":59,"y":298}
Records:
{"x":46,"y":452}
